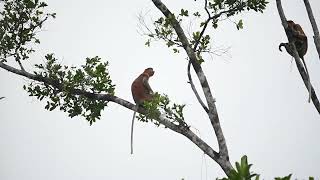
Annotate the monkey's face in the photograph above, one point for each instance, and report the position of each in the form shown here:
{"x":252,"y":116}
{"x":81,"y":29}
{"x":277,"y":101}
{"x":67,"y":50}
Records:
{"x":149,"y":71}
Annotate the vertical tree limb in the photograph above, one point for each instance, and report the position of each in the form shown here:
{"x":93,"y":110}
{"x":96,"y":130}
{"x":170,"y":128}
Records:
{"x":316,"y":37}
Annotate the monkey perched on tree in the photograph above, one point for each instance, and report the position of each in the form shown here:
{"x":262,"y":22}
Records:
{"x":296,"y":35}
{"x":141,"y":92}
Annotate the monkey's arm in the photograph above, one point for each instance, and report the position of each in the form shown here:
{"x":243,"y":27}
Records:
{"x":146,"y":84}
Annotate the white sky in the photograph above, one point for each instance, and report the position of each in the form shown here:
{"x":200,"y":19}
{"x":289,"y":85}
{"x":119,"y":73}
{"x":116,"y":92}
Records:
{"x":261,"y":100}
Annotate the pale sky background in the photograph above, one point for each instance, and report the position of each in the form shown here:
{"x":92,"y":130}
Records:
{"x":261,"y":100}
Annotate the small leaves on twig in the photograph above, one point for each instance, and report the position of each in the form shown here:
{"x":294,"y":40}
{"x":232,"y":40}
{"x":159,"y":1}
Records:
{"x":92,"y":77}
{"x":160,"y":104}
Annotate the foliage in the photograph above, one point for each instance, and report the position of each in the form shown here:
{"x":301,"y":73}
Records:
{"x":19,"y":21}
{"x":284,"y":178}
{"x":65,"y":81}
{"x":160,"y":104}
{"x":242,"y":172}
{"x":216,"y":11}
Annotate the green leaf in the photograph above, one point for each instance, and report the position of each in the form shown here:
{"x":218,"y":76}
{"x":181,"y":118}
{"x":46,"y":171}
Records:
{"x":184,"y":13}
{"x":240,"y":24}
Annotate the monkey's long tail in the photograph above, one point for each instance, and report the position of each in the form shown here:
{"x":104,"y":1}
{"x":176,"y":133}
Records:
{"x":309,"y":83}
{"x":132,"y":124}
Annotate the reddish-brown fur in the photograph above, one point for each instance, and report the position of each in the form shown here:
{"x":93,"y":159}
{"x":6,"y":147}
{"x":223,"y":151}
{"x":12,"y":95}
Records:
{"x":140,"y":88}
{"x":299,"y":38}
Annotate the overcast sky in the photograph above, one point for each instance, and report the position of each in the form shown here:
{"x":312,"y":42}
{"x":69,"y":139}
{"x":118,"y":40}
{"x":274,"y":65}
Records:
{"x":261,"y":100}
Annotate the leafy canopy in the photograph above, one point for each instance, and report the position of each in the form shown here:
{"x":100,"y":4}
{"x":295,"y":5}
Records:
{"x":19,"y":22}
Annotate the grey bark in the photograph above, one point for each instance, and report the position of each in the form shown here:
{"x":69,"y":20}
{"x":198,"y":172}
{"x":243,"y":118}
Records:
{"x":316,"y":37}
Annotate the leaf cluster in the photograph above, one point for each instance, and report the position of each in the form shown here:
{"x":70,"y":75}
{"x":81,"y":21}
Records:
{"x":236,"y":6}
{"x":163,"y":29}
{"x":242,"y":172}
{"x":160,"y":104}
{"x":216,"y":10}
{"x":67,"y":84}
{"x":19,"y":21}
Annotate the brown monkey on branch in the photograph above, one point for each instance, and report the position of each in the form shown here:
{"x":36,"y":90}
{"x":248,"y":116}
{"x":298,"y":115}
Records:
{"x":141,"y":92}
{"x":296,"y":35}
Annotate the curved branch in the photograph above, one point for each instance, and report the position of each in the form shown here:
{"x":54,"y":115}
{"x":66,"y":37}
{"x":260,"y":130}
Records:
{"x":223,"y":160}
{"x":299,"y":64}
{"x":316,"y":37}
{"x":195,"y":90}
{"x":184,"y":130}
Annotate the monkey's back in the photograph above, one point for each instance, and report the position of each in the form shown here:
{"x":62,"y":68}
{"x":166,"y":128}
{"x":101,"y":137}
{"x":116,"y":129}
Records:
{"x":139,"y":91}
{"x":301,"y":42}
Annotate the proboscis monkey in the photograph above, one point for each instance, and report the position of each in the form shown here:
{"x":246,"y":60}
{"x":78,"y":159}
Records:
{"x":297,"y":36}
{"x":141,"y":92}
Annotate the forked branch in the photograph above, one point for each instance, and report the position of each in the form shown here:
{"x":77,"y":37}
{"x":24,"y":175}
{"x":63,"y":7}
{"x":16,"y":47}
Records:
{"x":223,"y":159}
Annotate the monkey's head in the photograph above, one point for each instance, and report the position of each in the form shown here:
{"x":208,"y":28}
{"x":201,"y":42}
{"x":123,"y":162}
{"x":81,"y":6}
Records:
{"x":149,"y":71}
{"x":290,"y":23}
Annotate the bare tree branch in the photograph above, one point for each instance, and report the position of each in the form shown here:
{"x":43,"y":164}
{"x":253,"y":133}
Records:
{"x":299,"y":64}
{"x":223,"y":159}
{"x":20,"y":64}
{"x":316,"y":37}
{"x":195,"y":90}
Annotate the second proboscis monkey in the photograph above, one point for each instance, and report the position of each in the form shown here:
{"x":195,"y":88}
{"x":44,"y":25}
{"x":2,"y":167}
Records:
{"x":298,"y":37}
{"x":141,"y":92}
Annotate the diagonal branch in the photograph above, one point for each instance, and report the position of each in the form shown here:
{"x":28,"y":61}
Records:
{"x":223,"y":160}
{"x":299,"y":64}
{"x":184,"y":130}
{"x":316,"y":37}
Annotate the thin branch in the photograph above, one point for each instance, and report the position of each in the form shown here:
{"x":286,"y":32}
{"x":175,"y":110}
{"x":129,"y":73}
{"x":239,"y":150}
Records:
{"x":20,"y":64}
{"x":195,"y":90}
{"x":181,"y":129}
{"x":209,"y":19}
{"x":316,"y":36}
{"x":223,"y":159}
{"x":296,"y":57}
